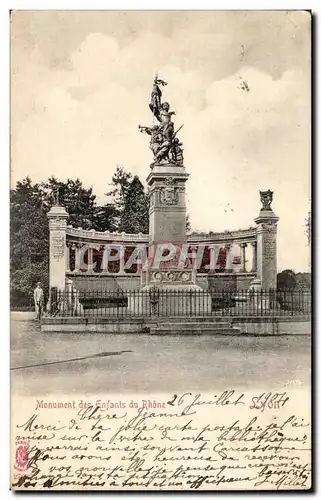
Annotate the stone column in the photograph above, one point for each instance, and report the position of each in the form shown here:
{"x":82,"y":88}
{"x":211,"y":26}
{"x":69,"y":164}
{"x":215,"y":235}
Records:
{"x":254,"y":256}
{"x":139,"y":257}
{"x":193,"y":257}
{"x":77,"y":257}
{"x":213,"y":257}
{"x":57,"y":247}
{"x":266,"y":242}
{"x":122,"y":260}
{"x":105,"y":260}
{"x":90,"y":260}
{"x":68,"y":249}
{"x":243,"y":258}
{"x":229,"y":258}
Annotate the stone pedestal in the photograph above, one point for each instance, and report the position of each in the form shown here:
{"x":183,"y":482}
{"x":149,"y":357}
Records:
{"x":167,"y":228}
{"x":57,"y":247}
{"x":171,"y":292}
{"x":266,"y":248}
{"x":167,"y":286}
{"x":171,"y":301}
{"x":167,"y":211}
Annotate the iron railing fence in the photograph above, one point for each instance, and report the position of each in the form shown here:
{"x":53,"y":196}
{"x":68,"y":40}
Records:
{"x":178,"y":303}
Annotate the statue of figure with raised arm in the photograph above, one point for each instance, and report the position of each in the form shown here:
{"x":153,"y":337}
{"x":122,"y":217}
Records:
{"x":156,"y":97}
{"x":164,"y":144}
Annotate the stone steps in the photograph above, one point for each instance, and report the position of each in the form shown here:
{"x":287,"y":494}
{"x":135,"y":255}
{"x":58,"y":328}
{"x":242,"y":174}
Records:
{"x":193,"y":328}
{"x":189,"y":319}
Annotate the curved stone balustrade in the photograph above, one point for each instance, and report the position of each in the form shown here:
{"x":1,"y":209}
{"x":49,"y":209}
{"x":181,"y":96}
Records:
{"x":226,"y":236}
{"x":244,"y":240}
{"x":106,"y":236}
{"x":75,"y":234}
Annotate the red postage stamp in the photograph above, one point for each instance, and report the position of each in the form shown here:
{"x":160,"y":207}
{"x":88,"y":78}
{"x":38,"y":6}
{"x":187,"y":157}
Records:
{"x":21,"y":455}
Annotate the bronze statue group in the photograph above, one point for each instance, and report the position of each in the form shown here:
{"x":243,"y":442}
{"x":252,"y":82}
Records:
{"x":166,"y":147}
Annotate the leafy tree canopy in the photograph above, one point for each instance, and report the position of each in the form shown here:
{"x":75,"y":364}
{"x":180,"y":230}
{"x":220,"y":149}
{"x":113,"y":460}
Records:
{"x":289,"y":280}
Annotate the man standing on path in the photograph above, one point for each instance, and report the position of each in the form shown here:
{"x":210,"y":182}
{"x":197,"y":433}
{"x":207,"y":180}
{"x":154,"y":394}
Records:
{"x":39,"y":300}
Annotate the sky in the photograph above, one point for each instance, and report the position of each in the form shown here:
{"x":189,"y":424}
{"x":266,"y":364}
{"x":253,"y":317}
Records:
{"x":80,"y":86}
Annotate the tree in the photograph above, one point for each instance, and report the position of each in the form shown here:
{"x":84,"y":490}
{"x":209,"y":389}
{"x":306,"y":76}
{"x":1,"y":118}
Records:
{"x":121,"y":181}
{"x":104,"y":218}
{"x":134,"y":218}
{"x":78,"y":201}
{"x":80,"y":204}
{"x":303,"y":281}
{"x":286,"y":280}
{"x":130,"y":202}
{"x":29,"y":236}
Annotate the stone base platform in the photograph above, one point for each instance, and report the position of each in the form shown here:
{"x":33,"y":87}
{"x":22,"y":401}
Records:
{"x":215,"y":325}
{"x":140,"y":325}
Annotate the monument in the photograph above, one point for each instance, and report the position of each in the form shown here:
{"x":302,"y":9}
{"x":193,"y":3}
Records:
{"x":166,"y":285}
{"x":57,"y":246}
{"x":166,"y":269}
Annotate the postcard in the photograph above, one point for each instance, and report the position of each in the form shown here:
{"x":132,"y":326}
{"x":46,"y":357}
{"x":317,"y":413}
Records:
{"x":160,"y":213}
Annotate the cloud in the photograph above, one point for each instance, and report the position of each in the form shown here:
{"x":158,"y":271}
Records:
{"x":76,"y":107}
